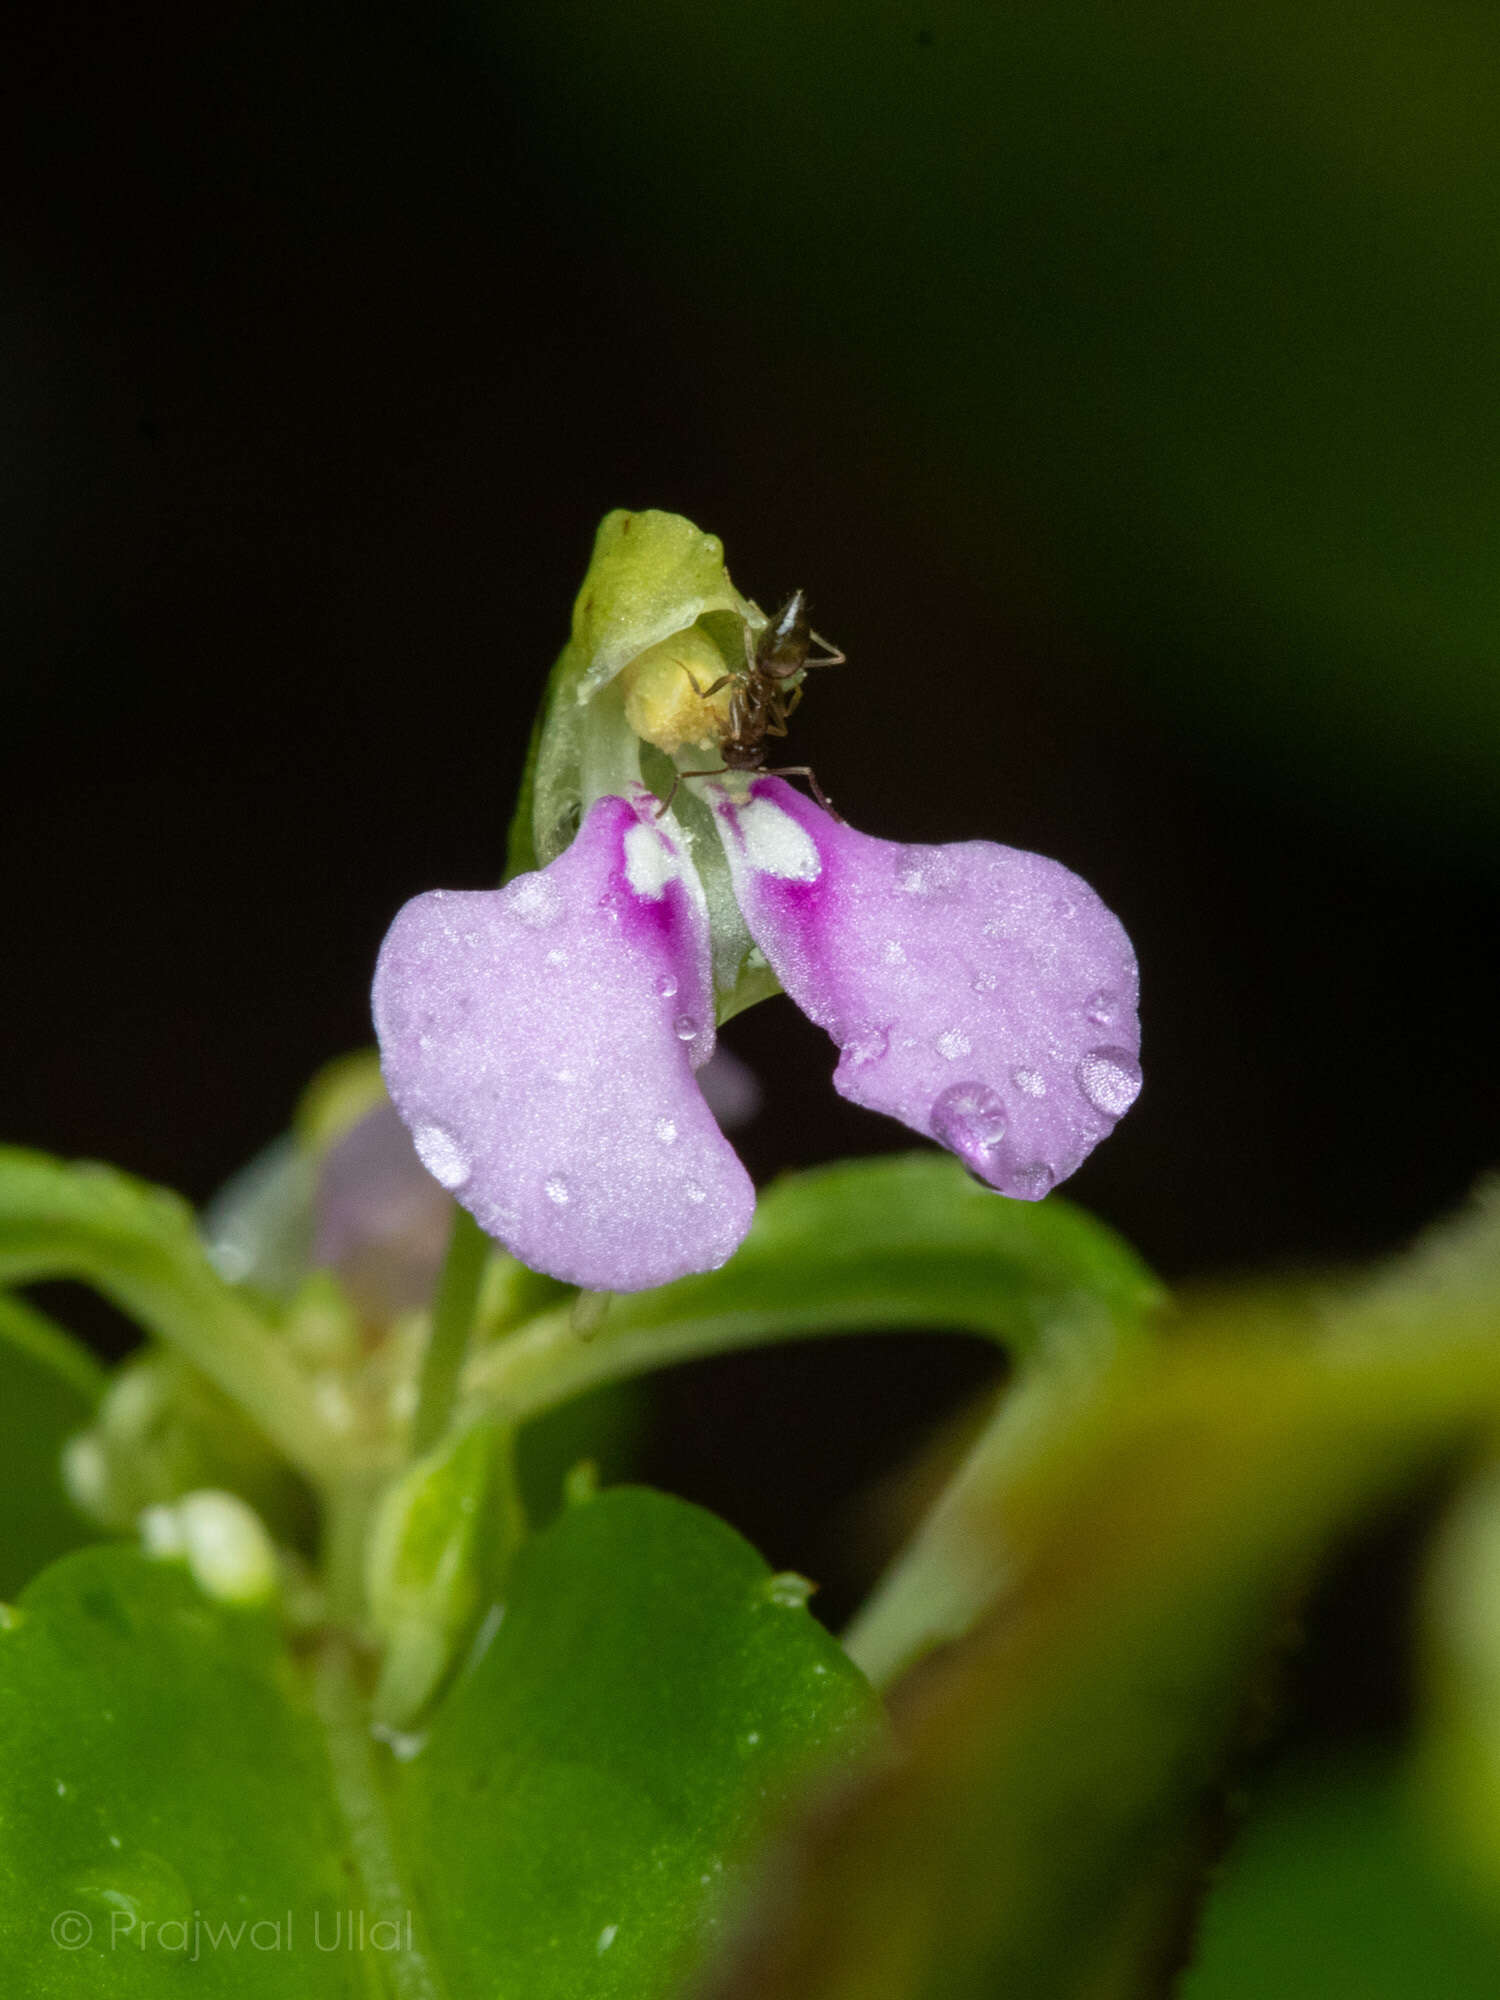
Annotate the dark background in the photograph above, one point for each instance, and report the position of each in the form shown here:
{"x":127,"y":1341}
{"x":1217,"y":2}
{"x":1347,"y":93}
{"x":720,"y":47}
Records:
{"x":1119,"y":384}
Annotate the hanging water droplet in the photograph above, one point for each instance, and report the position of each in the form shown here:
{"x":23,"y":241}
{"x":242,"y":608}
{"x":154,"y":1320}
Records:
{"x":952,"y":1044}
{"x":695,"y":1193}
{"x":984,"y":982}
{"x":666,"y":986}
{"x":442,"y":1156}
{"x":557,"y":1190}
{"x":970,"y":1118}
{"x":1110,"y":1079}
{"x":1030,"y":1183}
{"x":1100,"y":1007}
{"x":685,"y":1027}
{"x":1029,"y":1081}
{"x":666,"y":1131}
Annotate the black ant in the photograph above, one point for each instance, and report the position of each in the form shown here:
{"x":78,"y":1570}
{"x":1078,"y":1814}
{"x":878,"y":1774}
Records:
{"x":762,"y":704}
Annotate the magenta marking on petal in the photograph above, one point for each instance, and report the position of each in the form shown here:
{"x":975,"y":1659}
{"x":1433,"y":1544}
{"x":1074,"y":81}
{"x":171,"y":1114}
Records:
{"x":967,"y":985}
{"x":531,"y":1038}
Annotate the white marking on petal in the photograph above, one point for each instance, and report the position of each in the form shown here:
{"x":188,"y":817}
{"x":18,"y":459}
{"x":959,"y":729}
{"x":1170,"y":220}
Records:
{"x":649,"y":863}
{"x":775,"y":844}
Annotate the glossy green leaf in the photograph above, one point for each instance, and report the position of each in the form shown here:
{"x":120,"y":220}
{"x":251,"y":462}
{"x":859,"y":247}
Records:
{"x":168,"y":1821}
{"x":173,"y":1781}
{"x":1043,"y":1834}
{"x":613,"y":1748}
{"x":139,"y":1246}
{"x":49,"y":1387}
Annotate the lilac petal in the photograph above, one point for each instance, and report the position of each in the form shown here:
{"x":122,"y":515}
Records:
{"x":540,"y":1041}
{"x":382,"y":1221}
{"x":981,"y":995}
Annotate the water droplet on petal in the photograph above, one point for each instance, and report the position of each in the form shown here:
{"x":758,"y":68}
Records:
{"x":867,"y":1047}
{"x":442,"y":1156}
{"x":685,"y":1027}
{"x":984,"y":982}
{"x":1110,"y":1079}
{"x":557,"y":1190}
{"x":925,"y":871}
{"x":894,"y":952}
{"x":1100,"y":1007}
{"x":695,"y":1193}
{"x":536,"y":901}
{"x":666,"y":1131}
{"x":952,"y":1044}
{"x":666,"y":986}
{"x":1030,"y":1183}
{"x":1030,"y":1081}
{"x":970,"y":1118}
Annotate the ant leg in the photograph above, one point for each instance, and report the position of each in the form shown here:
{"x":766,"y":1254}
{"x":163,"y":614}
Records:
{"x":834,"y":658}
{"x":666,"y":803}
{"x":807,"y":771}
{"x":712,"y":688}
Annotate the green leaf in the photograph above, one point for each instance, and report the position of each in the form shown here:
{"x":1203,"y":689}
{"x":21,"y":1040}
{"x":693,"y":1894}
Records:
{"x":1042,"y":1832}
{"x":574,"y":1822}
{"x":139,"y":1246}
{"x":162,"y":1765}
{"x":49,"y":1387}
{"x":907,"y":1241}
{"x":614,"y":1748}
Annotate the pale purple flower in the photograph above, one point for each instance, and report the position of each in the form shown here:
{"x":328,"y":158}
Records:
{"x":541,"y":1040}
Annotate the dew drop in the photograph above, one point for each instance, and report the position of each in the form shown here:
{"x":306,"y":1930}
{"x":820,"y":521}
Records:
{"x":868,"y":1047}
{"x":666,"y":986}
{"x":666,"y":1130}
{"x":606,"y":1937}
{"x":1100,"y":1007}
{"x":787,"y":1589}
{"x":984,"y":982}
{"x":952,"y":1044}
{"x":970,"y":1118}
{"x":1031,"y":1183}
{"x":695,"y":1193}
{"x":1029,"y":1081}
{"x":557,"y":1190}
{"x":685,"y":1027}
{"x":442,"y":1156}
{"x":1110,"y":1079}
{"x":535,"y":900}
{"x":894,"y":952}
{"x":925,"y":871}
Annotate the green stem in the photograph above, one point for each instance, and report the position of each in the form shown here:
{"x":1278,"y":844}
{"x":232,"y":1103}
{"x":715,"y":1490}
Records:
{"x":352,"y":1757}
{"x":453,"y":1310}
